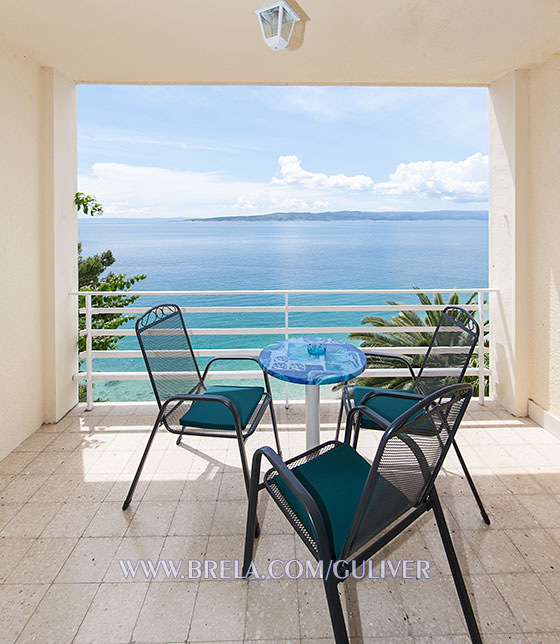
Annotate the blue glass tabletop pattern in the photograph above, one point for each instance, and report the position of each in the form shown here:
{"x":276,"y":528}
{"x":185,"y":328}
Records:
{"x":291,"y":361}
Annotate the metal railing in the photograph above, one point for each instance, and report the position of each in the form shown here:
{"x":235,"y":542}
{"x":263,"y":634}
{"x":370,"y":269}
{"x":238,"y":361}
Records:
{"x":479,"y":308}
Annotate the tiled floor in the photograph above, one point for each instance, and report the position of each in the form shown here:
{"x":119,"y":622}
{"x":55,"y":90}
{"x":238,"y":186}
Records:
{"x":62,"y":534}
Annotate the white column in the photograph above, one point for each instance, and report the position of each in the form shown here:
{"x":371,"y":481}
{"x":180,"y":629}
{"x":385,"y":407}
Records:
{"x":509,"y":239}
{"x":312,"y":419}
{"x":60,"y":238}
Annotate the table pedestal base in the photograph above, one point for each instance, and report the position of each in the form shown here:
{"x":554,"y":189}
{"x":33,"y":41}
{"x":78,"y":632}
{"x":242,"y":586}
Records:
{"x":312,"y":399}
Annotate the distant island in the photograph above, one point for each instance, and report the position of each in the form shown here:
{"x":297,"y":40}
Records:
{"x":352,"y":215}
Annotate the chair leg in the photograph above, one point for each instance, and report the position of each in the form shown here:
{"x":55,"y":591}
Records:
{"x":247,"y":477}
{"x":179,"y":439}
{"x":357,"y":423}
{"x":141,"y":464}
{"x":244,"y":464}
{"x":275,"y":428}
{"x":335,"y":610}
{"x":455,"y":570}
{"x":477,"y":498}
{"x":252,"y":530}
{"x":339,"y":420}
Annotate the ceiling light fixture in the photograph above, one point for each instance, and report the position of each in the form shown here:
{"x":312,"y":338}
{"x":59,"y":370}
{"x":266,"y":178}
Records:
{"x":277,"y":20}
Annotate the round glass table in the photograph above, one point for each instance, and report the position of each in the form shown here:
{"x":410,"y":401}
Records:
{"x":312,"y":361}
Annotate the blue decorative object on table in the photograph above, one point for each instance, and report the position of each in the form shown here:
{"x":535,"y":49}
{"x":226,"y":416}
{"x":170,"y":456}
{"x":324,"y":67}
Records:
{"x":316,"y":349}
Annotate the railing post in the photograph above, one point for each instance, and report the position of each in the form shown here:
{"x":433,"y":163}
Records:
{"x":481,"y":377}
{"x":286,"y":334}
{"x":89,"y":356}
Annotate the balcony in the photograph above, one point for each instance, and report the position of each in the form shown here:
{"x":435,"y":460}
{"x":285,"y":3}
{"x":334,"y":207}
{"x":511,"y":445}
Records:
{"x":61,"y":528}
{"x":62,"y":534}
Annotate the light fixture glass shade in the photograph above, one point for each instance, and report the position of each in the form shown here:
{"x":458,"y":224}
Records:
{"x":269,"y":22}
{"x":277,"y":22}
{"x":287,"y":25}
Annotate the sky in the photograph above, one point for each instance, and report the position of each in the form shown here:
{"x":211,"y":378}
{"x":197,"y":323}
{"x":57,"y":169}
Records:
{"x":205,"y":151}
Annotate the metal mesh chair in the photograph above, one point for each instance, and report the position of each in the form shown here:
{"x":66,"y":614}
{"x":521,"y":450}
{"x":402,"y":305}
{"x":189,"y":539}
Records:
{"x":186,"y":405}
{"x":345,"y":510}
{"x":448,"y":353}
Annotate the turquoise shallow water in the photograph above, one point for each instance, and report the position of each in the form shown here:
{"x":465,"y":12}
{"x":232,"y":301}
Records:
{"x":280,"y":255}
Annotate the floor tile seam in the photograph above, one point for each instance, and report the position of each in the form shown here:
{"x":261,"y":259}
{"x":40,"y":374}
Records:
{"x":506,"y":603}
{"x":149,"y":585}
{"x":554,"y":598}
{"x":197,"y":591}
{"x":556,"y":601}
{"x":32,"y":612}
{"x":523,"y":557}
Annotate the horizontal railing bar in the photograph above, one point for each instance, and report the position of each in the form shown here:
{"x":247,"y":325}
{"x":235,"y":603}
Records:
{"x":377,"y":307}
{"x":281,"y":309}
{"x":190,"y":309}
{"x":183,"y":375}
{"x":255,"y":373}
{"x":303,"y":330}
{"x":295,"y":291}
{"x":201,"y":353}
{"x":210,"y":353}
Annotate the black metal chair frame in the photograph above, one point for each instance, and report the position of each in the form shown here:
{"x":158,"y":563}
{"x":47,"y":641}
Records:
{"x":175,"y":406}
{"x":318,"y":543}
{"x":346,"y":403}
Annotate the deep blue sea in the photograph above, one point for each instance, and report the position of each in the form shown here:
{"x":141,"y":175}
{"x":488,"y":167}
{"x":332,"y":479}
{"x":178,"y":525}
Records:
{"x":237,"y":255}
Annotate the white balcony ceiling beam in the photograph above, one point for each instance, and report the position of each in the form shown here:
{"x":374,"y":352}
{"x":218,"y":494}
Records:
{"x":376,"y":42}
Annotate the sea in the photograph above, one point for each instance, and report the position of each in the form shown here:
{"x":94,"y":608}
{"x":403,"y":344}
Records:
{"x":178,"y":255}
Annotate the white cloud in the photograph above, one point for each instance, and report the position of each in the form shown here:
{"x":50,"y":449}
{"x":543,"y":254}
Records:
{"x":288,"y":204}
{"x":292,"y":173}
{"x":119,"y":208}
{"x":246,"y":202}
{"x":133,"y":191}
{"x":337,"y":103}
{"x":160,"y":192}
{"x":139,"y":140}
{"x":465,"y":180}
{"x":144,"y":140}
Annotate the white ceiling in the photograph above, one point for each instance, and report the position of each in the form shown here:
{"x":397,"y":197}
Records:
{"x":337,"y":42}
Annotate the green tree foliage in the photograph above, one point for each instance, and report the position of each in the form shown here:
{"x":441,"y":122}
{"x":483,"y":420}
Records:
{"x":87,"y":204}
{"x":91,"y":277}
{"x":407,"y":339}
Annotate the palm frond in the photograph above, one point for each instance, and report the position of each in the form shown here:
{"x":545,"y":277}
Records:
{"x":401,"y":339}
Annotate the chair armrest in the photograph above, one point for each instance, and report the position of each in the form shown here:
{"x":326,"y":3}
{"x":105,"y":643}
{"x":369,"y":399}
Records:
{"x":390,"y":393}
{"x":203,"y":398}
{"x":361,"y":410}
{"x":390,"y":356}
{"x":366,"y":411}
{"x":298,"y":490}
{"x":253,"y":359}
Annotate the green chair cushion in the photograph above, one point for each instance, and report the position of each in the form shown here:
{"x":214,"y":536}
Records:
{"x":389,"y":407}
{"x":215,"y":415}
{"x":335,"y":480}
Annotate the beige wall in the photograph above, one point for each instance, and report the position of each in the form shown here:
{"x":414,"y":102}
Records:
{"x":508,"y":238}
{"x":29,"y":212}
{"x":21,"y":388}
{"x":524,"y":126}
{"x":544,"y":240}
{"x":60,"y":240}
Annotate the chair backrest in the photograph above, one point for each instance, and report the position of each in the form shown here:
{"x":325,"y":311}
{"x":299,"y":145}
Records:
{"x":407,"y":462}
{"x":451,"y":347}
{"x":166,"y":348}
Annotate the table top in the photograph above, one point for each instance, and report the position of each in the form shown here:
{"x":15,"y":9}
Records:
{"x":291,"y":361}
